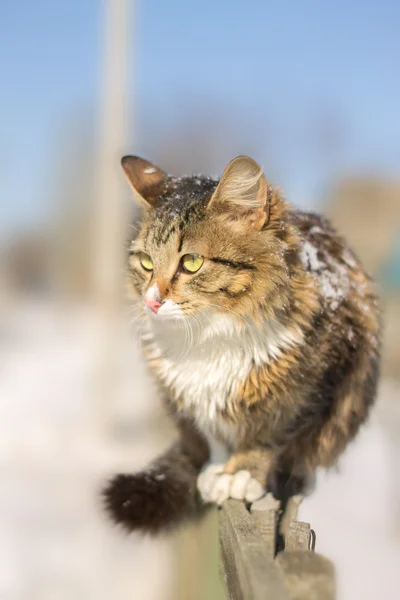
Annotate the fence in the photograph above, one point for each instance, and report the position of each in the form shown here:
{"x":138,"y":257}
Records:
{"x":251,"y":566}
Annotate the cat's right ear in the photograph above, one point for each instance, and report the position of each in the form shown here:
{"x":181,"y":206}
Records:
{"x":145,"y":178}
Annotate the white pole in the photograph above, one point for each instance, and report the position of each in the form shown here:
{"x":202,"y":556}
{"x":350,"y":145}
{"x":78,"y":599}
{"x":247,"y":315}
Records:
{"x":110,"y":216}
{"x":112,"y":139}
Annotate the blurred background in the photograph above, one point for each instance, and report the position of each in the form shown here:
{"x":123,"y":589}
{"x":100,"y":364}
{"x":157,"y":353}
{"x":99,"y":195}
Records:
{"x":311,"y":90}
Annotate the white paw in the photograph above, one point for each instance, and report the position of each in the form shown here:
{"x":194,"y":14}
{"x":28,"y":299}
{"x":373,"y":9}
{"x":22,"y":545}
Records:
{"x":206,"y":480}
{"x":216,"y":486}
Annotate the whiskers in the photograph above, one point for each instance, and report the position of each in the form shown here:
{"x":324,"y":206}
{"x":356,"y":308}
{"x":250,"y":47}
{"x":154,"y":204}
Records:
{"x":229,"y":310}
{"x":182,"y":319}
{"x":136,"y":314}
{"x":172,"y":327}
{"x":178,"y":331}
{"x":137,"y":321}
{"x":188,"y":338}
{"x":189,"y":319}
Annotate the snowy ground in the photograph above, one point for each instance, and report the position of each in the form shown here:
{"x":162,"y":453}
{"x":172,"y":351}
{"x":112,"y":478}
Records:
{"x":355,"y":511}
{"x":57,"y":446}
{"x":55,"y":453}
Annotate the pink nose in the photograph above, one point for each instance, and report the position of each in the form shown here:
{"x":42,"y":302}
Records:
{"x":153,"y":304}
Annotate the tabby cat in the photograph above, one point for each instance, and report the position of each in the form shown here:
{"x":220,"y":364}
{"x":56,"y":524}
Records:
{"x":263,"y":331}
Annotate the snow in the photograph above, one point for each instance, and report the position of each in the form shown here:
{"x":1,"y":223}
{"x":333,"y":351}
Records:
{"x":316,"y":229}
{"x":355,"y":509}
{"x":58,"y":447}
{"x":334,"y":285}
{"x":309,"y":257}
{"x":332,"y":276}
{"x":150,"y":170}
{"x":56,"y":452}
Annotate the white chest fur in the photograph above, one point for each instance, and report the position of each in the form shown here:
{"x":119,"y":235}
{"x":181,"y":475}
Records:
{"x":205,"y":365}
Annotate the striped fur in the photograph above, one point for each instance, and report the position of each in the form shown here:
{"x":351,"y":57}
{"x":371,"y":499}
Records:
{"x":272,"y":348}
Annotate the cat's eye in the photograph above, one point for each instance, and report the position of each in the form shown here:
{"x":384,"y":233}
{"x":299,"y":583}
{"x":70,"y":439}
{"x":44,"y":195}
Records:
{"x":146,"y":261}
{"x":192,"y":262}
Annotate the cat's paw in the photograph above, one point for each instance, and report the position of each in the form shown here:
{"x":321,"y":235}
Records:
{"x":216,"y":486}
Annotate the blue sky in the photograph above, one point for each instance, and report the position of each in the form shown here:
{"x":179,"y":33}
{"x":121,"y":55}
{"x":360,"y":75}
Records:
{"x":275,"y":67}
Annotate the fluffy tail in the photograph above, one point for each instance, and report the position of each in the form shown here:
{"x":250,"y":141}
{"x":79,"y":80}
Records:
{"x":159,"y":497}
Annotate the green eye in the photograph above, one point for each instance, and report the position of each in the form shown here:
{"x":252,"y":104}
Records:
{"x":192,"y":262}
{"x":146,"y":262}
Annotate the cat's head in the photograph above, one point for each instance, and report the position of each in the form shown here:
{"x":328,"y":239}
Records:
{"x":205,"y":245}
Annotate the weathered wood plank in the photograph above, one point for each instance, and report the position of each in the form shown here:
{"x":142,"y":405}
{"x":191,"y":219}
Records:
{"x":250,"y":571}
{"x":308,"y":575}
{"x":265,"y":513}
{"x":298,"y":536}
{"x":290,"y":514}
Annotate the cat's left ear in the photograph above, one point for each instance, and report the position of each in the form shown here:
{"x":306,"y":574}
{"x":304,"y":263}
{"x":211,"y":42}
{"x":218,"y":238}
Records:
{"x":243,"y":193}
{"x":145,"y":178}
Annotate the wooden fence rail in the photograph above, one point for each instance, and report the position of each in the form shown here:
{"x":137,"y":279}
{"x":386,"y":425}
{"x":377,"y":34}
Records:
{"x":250,"y":565}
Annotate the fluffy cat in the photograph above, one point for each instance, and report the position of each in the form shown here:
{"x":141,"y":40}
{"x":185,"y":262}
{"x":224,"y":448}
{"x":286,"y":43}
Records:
{"x":263,"y":331}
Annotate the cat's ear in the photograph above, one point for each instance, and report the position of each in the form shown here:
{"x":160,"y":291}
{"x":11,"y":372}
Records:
{"x":243,"y":193}
{"x":145,"y":178}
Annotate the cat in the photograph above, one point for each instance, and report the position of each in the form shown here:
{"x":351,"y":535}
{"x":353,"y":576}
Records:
{"x":262,"y":330}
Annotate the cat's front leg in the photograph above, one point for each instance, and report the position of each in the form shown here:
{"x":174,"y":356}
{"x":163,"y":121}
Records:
{"x":242,"y":477}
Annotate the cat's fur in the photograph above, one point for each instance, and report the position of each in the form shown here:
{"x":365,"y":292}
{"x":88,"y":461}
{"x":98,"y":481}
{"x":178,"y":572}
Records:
{"x":272,"y":347}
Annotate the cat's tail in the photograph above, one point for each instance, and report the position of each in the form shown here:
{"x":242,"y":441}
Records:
{"x":159,"y":497}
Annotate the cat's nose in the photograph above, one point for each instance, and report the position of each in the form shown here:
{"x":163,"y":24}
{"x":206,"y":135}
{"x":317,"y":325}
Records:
{"x":154,"y":305}
{"x":152,"y":299}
